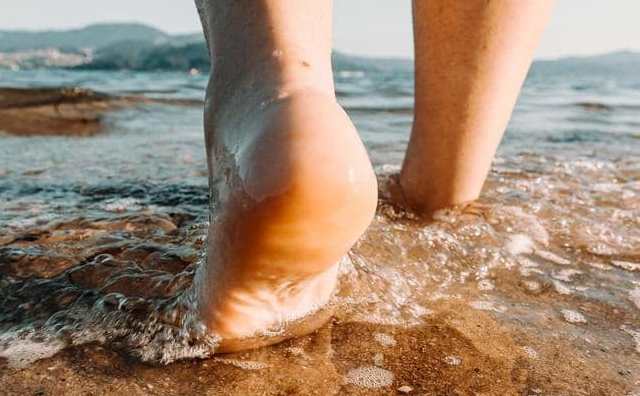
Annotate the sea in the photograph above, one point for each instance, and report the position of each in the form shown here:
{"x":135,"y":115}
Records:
{"x":100,"y":233}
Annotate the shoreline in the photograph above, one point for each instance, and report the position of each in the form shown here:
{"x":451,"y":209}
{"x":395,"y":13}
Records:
{"x":66,"y":111}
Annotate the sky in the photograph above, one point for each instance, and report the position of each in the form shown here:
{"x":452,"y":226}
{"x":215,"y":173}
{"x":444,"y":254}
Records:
{"x":363,"y":27}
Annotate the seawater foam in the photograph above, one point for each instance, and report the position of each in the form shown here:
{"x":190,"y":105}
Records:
{"x":244,"y":364}
{"x":401,"y":272}
{"x":369,"y":377}
{"x":22,"y":350}
{"x":519,"y":244}
{"x":158,"y":331}
{"x":147,"y":329}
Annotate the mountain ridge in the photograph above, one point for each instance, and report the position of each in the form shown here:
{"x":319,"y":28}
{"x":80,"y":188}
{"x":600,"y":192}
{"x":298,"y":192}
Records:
{"x":88,"y":37}
{"x":136,"y":46}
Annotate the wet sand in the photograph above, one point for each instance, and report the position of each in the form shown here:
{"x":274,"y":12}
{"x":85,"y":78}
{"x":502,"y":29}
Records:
{"x":508,"y":336}
{"x":437,"y":358}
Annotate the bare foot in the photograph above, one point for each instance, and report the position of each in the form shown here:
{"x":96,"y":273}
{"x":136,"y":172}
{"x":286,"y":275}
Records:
{"x":292,"y":190}
{"x":395,"y":204}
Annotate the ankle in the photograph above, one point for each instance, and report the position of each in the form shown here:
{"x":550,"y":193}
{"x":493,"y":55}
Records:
{"x":425,"y":199}
{"x":270,"y":74}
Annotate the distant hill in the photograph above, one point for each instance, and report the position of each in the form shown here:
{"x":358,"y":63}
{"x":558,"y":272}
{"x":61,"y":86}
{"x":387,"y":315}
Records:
{"x":619,"y":62}
{"x":137,"y":55}
{"x":342,"y":61}
{"x":103,"y":46}
{"x":140,"y":55}
{"x":140,"y":47}
{"x":90,"y":37}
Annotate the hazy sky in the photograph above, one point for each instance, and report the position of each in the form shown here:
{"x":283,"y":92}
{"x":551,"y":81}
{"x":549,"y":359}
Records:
{"x":368,"y":27}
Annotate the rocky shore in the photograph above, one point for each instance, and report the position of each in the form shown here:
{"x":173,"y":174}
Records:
{"x":64,"y":111}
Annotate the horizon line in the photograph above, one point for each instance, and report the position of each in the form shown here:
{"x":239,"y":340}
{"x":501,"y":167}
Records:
{"x":347,"y":52}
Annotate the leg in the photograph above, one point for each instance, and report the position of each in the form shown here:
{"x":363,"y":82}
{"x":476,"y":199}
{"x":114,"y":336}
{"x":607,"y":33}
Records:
{"x":292,"y":187}
{"x":471,"y":59}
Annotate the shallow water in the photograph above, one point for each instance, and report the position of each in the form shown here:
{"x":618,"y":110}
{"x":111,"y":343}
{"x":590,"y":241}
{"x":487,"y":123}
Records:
{"x":538,"y":285}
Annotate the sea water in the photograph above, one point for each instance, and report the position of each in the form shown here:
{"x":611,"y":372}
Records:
{"x":100,"y":236}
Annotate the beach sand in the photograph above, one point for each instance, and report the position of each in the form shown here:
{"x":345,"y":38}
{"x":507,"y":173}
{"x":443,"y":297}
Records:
{"x":466,"y":345}
{"x":458,"y":352}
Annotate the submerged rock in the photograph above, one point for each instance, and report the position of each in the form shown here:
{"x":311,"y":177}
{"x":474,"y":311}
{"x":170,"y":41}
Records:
{"x":54,"y":111}
{"x":63,"y":111}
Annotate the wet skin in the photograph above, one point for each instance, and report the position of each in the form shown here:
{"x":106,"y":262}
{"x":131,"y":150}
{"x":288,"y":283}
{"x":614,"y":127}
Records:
{"x":291,"y":183}
{"x":292,"y":191}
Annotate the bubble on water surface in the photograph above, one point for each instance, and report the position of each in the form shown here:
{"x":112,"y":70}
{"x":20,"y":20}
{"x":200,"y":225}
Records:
{"x":554,"y":258}
{"x":121,"y":205}
{"x":565,"y":275}
{"x":532,"y":286}
{"x":385,"y":340}
{"x":370,"y":377}
{"x":453,"y":360}
{"x":573,"y":316}
{"x":487,"y":306}
{"x":531,"y":353}
{"x":560,"y":287}
{"x":244,"y":364}
{"x":626,"y":265}
{"x":486,"y":285}
{"x":519,"y":244}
